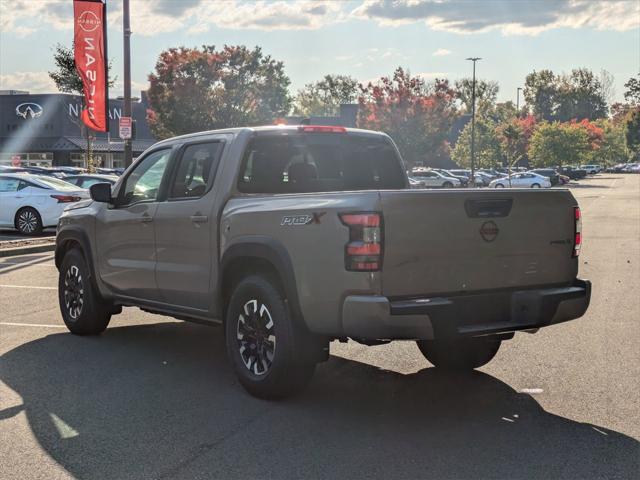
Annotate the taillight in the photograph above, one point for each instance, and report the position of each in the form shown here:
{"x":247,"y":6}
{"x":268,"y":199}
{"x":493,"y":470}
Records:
{"x":364,"y":251}
{"x":66,"y":198}
{"x":321,"y":129}
{"x":577,"y":240}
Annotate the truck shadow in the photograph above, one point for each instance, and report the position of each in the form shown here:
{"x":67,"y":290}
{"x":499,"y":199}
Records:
{"x":160,"y":401}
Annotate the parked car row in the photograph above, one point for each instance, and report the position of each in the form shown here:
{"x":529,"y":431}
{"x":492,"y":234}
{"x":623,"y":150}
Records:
{"x":624,"y":168}
{"x":59,"y":172}
{"x":31,"y":202}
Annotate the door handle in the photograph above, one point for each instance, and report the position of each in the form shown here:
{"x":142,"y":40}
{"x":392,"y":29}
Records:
{"x":199,"y":218}
{"x":146,"y":218}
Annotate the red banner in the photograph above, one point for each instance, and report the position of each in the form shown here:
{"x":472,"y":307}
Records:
{"x":90,"y":44}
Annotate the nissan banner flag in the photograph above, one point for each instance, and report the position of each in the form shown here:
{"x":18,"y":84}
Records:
{"x":90,"y":53}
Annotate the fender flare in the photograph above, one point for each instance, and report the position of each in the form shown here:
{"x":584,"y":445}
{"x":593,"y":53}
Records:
{"x":76,"y":235}
{"x":268,"y":249}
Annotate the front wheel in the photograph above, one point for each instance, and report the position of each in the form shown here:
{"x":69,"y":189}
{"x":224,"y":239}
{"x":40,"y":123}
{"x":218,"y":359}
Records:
{"x":447,"y":185}
{"x":459,"y":354}
{"x":262,"y":340}
{"x":83,"y":309}
{"x":535,"y":185}
{"x":499,"y":185}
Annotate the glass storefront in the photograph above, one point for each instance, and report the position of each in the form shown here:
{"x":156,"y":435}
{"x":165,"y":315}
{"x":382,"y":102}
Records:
{"x":100,"y":159}
{"x":44,"y":159}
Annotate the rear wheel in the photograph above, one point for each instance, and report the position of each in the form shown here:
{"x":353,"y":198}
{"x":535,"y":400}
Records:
{"x":28,"y":221}
{"x":459,"y":354}
{"x":447,"y":185}
{"x":499,"y":185}
{"x":535,"y":185}
{"x":262,"y":340}
{"x":83,"y":309}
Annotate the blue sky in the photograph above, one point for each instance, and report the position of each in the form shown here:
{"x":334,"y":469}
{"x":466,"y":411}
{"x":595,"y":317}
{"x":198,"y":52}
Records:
{"x":362,"y":38}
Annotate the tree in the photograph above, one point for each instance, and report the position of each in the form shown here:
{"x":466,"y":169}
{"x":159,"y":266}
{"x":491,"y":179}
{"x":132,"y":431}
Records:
{"x":486,"y":94}
{"x":203,"y":89}
{"x":488,"y":153}
{"x":540,"y":90}
{"x":632,"y":94}
{"x":580,"y":95}
{"x":417,"y":116}
{"x":632,"y":132}
{"x":68,"y":80}
{"x":502,"y":112}
{"x":612,"y":148}
{"x":325,"y":96}
{"x":555,"y":143}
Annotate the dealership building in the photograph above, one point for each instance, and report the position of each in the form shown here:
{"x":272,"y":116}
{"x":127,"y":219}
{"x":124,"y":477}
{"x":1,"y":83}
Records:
{"x":45,"y":130}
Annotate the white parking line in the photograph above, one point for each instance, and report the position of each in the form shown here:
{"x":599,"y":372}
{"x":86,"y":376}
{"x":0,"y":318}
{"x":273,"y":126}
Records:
{"x":27,"y":264}
{"x":39,"y":325}
{"x":28,"y":286}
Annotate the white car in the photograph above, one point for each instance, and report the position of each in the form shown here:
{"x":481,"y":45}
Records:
{"x":30,"y":203}
{"x":431,"y":178}
{"x":522,"y":180}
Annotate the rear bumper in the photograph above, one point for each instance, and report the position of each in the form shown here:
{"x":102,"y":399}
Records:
{"x":377,"y":317}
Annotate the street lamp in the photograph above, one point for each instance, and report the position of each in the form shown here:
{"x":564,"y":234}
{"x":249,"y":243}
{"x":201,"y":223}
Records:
{"x":473,"y":122}
{"x":518,"y":102}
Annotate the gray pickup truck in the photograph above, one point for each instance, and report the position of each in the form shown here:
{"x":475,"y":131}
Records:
{"x":295,"y":236}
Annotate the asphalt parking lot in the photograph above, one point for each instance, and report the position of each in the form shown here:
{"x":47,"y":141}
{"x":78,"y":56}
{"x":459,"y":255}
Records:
{"x":156,"y":398}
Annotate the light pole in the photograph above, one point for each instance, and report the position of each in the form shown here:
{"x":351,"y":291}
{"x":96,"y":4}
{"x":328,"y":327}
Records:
{"x":126,"y":110}
{"x":473,"y":122}
{"x":518,"y":102}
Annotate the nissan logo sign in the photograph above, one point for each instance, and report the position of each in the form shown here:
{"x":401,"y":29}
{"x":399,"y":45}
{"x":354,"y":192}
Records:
{"x":489,"y":231}
{"x":29,"y":110}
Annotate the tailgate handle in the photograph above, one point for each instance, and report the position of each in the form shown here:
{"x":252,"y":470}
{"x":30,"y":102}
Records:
{"x":488,"y":207}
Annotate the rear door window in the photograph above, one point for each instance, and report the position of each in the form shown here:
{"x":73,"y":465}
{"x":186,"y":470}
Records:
{"x":197,"y":164}
{"x":320,"y":162}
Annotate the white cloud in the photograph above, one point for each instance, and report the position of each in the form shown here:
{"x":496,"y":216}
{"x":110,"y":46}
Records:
{"x":524,"y":17}
{"x":34,"y":82}
{"x":441,"y":52}
{"x":148,"y":18}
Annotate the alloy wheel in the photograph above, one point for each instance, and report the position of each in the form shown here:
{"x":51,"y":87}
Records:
{"x":27,"y":221}
{"x":256,"y":337}
{"x":73,"y":292}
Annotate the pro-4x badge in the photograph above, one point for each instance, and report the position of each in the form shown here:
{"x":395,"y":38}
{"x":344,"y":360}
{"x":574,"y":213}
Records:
{"x":297,"y":220}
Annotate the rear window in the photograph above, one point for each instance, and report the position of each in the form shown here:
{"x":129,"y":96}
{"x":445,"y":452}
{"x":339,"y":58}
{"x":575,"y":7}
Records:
{"x":320,"y":162}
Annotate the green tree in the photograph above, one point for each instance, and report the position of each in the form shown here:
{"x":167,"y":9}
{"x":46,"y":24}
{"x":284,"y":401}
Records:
{"x":503,"y":112}
{"x":195,"y":89}
{"x":580,"y":95}
{"x":554,"y":143}
{"x":613,"y":148}
{"x":632,"y":94}
{"x":486,"y":94}
{"x":488,"y":152}
{"x":632,"y":132}
{"x":67,"y":80}
{"x":540,"y":91}
{"x":325,"y":96}
{"x":418,"y":117}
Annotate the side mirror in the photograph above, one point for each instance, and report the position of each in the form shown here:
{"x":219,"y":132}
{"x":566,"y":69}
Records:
{"x":101,"y":192}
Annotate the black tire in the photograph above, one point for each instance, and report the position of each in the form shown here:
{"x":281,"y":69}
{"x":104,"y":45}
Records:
{"x":535,"y":185}
{"x":28,"y":221}
{"x":499,"y":185}
{"x":459,"y":354}
{"x":83,"y":309}
{"x":262,"y":340}
{"x":447,"y":185}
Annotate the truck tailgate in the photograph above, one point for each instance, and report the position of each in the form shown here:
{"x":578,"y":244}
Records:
{"x":466,"y":241}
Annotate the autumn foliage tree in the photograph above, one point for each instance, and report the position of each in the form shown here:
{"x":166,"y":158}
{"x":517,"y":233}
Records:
{"x":195,"y":89}
{"x":416,"y":115}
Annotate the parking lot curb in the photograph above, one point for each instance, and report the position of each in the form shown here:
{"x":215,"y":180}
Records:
{"x":11,"y":252}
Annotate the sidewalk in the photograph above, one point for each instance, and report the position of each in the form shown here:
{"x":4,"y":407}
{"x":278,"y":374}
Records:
{"x":23,"y":246}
